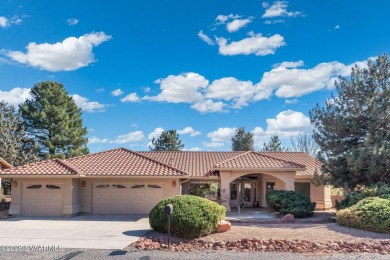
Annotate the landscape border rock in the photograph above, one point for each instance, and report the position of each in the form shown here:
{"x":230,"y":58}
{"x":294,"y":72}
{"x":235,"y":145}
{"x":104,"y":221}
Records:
{"x":248,"y":245}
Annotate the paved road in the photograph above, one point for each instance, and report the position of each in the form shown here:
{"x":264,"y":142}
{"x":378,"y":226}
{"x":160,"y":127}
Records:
{"x":96,"y":232}
{"x":81,"y":254}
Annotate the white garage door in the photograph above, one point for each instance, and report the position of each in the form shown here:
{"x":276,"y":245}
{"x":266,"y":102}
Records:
{"x":112,"y":198}
{"x":42,"y":199}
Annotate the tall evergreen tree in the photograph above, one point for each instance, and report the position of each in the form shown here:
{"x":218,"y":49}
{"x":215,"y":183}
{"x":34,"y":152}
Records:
{"x":242,"y":141}
{"x":353,"y":128}
{"x":15,"y":146}
{"x":168,"y":141}
{"x":54,"y":121}
{"x":274,"y":145}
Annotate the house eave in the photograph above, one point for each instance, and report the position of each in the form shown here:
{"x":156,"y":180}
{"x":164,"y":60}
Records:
{"x":259,"y":170}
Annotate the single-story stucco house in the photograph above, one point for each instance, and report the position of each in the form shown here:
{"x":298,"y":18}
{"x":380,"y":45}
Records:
{"x":121,"y":181}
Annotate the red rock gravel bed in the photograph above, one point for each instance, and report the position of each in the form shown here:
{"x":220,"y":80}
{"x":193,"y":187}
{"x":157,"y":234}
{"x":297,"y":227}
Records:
{"x":259,"y":245}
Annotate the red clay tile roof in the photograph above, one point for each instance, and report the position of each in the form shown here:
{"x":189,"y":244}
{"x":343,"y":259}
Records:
{"x":116,"y":162}
{"x":254,"y":160}
{"x":311,"y":163}
{"x":123,"y":162}
{"x":197,"y":164}
{"x":201,"y":164}
{"x":4,"y":164}
{"x":49,"y":167}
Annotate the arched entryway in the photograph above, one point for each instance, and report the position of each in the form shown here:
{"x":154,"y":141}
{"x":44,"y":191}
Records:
{"x":250,"y":188}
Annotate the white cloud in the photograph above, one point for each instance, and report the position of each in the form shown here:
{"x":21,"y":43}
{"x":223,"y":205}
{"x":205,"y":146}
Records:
{"x":298,"y":82}
{"x":264,"y":4}
{"x":72,"y":21}
{"x":90,"y":106}
{"x":237,"y":24}
{"x":288,"y":123}
{"x":195,"y":149}
{"x":222,"y":135}
{"x":189,"y":131}
{"x":70,"y":54}
{"x":286,"y":81}
{"x":274,"y":21}
{"x":335,"y":28}
{"x":134,"y":125}
{"x":209,"y":106}
{"x":3,"y":21}
{"x":130,"y":137}
{"x":117,"y":92}
{"x":184,"y":88}
{"x":96,"y":140}
{"x":156,"y":133}
{"x":254,"y":44}
{"x":279,"y":8}
{"x":291,"y":64}
{"x":205,"y":38}
{"x":99,"y":90}
{"x":291,"y":101}
{"x":240,"y":92}
{"x":221,"y":19}
{"x":15,"y":96}
{"x":132,"y":97}
{"x":213,"y":144}
{"x":258,"y":135}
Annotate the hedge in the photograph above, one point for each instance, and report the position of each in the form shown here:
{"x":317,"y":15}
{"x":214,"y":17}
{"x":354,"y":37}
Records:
{"x":353,"y":197}
{"x":372,"y":214}
{"x":192,"y":216}
{"x":292,"y":202}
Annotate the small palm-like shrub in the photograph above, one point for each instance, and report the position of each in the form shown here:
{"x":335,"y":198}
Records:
{"x":292,"y":202}
{"x":192,"y":216}
{"x":353,"y":197}
{"x":372,"y":214}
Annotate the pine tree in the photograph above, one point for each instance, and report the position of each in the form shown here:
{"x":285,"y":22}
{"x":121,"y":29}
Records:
{"x":168,"y":141}
{"x":242,"y":141}
{"x":353,"y":128}
{"x":274,"y":145}
{"x":15,"y":146}
{"x":54,"y":121}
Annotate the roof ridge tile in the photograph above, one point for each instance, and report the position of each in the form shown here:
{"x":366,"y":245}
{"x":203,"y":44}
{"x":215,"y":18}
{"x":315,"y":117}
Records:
{"x":156,"y":161}
{"x":232,"y":158}
{"x":278,"y":159}
{"x":64,"y":164}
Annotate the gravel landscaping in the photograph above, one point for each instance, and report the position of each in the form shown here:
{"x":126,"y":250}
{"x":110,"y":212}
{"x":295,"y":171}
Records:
{"x":306,"y":238}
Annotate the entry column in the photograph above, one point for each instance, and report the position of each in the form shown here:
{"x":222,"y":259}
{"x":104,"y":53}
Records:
{"x":225,"y":189}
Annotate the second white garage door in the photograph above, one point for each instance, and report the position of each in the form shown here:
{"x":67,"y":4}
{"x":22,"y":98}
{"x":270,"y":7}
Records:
{"x":112,"y":198}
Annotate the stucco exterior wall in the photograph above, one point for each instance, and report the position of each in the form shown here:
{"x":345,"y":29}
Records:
{"x":319,"y":194}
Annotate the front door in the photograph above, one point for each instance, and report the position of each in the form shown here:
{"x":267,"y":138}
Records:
{"x":242,"y":191}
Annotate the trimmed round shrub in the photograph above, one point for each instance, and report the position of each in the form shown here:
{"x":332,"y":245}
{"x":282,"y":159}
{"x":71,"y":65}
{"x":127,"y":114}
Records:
{"x":372,"y":214}
{"x":192,"y":216}
{"x":292,"y":202}
{"x":353,"y":197}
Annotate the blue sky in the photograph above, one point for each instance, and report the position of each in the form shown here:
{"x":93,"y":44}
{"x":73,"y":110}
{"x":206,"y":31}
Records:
{"x":201,"y":67}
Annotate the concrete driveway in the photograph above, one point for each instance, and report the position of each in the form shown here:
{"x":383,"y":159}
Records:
{"x":101,"y":232}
